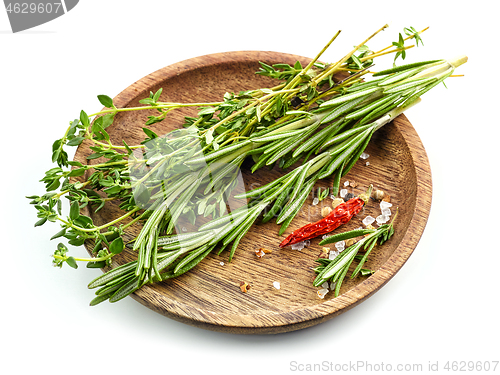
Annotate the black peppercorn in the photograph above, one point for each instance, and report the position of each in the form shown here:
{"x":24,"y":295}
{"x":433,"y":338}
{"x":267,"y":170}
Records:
{"x":348,"y":196}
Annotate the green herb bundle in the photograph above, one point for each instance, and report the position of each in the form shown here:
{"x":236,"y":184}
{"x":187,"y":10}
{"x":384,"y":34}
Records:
{"x":191,"y":171}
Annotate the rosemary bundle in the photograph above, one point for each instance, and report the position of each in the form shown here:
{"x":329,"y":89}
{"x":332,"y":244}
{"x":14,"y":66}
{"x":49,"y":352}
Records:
{"x":191,"y":172}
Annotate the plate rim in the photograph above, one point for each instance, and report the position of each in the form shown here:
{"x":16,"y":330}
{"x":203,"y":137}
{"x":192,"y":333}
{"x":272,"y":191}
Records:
{"x":335,"y":306}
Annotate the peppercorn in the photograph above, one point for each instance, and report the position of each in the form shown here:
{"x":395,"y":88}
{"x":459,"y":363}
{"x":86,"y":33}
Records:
{"x":325,"y":211}
{"x":378,"y":195}
{"x":349,"y":242}
{"x":296,"y":101}
{"x":348,"y":196}
{"x":337,"y":201}
{"x":244,"y":286}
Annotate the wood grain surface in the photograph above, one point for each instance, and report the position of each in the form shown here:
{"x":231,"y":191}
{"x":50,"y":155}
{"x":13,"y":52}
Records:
{"x":209,"y":296}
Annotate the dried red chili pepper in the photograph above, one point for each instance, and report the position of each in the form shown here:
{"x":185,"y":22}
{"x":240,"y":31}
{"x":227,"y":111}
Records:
{"x":340,"y":215}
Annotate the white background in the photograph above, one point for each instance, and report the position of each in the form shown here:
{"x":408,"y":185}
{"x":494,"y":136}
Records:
{"x":443,"y":304}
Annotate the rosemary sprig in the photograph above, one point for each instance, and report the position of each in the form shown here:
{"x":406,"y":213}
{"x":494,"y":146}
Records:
{"x":334,"y":270}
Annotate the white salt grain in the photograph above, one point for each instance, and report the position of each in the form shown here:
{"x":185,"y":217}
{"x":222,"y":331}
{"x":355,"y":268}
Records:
{"x":298,"y":246}
{"x":184,"y":229}
{"x":364,"y":155}
{"x":221,"y":263}
{"x":325,"y":285}
{"x":332,"y":254}
{"x":332,"y":285}
{"x":346,"y":183}
{"x":332,"y":196}
{"x":384,"y":205}
{"x":367,"y":163}
{"x":322,"y":293}
{"x":381,"y":219}
{"x":368,"y":220}
{"x":315,"y":201}
{"x":343,"y":193}
{"x":324,"y":236}
{"x":386,"y":212}
{"x":277,"y":285}
{"x":340,"y":245}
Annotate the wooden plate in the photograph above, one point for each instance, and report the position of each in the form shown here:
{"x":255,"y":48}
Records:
{"x":209,"y":296}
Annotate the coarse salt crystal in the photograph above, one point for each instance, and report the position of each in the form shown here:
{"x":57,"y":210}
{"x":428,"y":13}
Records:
{"x":346,"y":183}
{"x":332,"y":254}
{"x":184,"y":229}
{"x":384,"y":205}
{"x":368,"y":220}
{"x":324,"y":236}
{"x":364,"y":155}
{"x":298,"y":246}
{"x":277,"y":285}
{"x":381,"y":219}
{"x":386,"y":212}
{"x":340,"y":245}
{"x":367,"y":163}
{"x":332,"y":285}
{"x":343,"y":193}
{"x":332,"y":196}
{"x":322,"y":293}
{"x":221,"y":263}
{"x":325,"y":285}
{"x":315,"y":201}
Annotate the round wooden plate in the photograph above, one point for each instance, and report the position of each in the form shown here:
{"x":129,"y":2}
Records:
{"x":209,"y":296}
